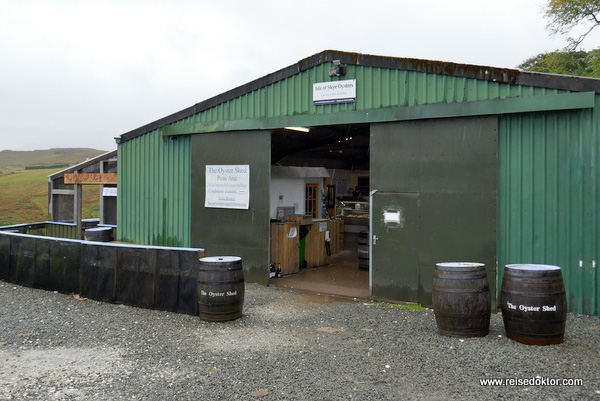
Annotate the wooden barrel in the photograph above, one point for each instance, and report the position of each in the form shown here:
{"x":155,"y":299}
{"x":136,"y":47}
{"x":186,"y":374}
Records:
{"x":534,"y":304}
{"x":461,"y":299}
{"x":98,"y":234}
{"x":363,"y":250}
{"x":220,"y":288}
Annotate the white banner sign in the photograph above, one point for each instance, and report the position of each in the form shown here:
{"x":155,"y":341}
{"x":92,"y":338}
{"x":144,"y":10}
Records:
{"x":334,"y":92}
{"x":228,"y":186}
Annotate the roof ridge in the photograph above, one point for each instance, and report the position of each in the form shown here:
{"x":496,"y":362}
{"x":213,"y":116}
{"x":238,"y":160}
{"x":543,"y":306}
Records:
{"x":493,"y":74}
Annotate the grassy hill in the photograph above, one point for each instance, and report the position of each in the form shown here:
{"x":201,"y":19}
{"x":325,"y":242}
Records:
{"x":24,"y":193}
{"x":22,"y":159}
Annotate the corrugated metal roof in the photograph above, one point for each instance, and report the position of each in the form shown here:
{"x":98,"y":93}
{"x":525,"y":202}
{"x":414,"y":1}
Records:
{"x":82,"y":165}
{"x":438,"y":68}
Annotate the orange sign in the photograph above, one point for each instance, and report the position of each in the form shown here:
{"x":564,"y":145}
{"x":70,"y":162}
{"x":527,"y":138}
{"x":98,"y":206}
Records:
{"x":92,"y":178}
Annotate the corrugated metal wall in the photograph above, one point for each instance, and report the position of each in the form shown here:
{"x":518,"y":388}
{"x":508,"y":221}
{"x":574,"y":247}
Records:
{"x":154,"y":190}
{"x":154,"y":174}
{"x":58,"y":231}
{"x":376,"y":88}
{"x":548,"y":198}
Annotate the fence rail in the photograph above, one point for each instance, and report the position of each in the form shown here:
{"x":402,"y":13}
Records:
{"x":52,"y":228}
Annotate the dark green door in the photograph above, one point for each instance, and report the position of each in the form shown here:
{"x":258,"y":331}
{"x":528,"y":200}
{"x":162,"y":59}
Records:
{"x":394,"y":244}
{"x":442,"y":176}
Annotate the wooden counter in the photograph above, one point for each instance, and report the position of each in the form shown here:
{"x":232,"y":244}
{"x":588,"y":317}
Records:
{"x":284,"y":247}
{"x":285,"y":250}
{"x":315,"y":252}
{"x":336,"y":235}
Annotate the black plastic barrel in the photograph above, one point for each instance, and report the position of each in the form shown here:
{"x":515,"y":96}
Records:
{"x":534,"y":304}
{"x":363,"y":250}
{"x":461,"y":299}
{"x":98,"y":234}
{"x":220,"y":288}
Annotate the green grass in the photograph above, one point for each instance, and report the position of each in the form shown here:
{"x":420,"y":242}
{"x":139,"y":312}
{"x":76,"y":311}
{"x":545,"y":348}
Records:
{"x":11,"y":159}
{"x":24,"y":193}
{"x":404,"y":306}
{"x":22,"y":196}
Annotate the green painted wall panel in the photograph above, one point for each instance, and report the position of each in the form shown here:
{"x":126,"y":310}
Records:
{"x":441,"y":177}
{"x":154,"y":191}
{"x":548,"y":198}
{"x":234,"y":232}
{"x":376,"y":88}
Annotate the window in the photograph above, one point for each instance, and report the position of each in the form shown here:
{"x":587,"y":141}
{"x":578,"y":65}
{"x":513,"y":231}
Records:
{"x":311,"y":199}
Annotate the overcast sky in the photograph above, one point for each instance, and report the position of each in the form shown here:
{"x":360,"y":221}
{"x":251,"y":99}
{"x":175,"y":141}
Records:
{"x":79,"y":73}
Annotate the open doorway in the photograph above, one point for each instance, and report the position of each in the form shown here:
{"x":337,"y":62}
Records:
{"x":320,"y":189}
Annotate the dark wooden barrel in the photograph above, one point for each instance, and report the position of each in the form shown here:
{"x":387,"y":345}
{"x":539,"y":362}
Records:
{"x":98,"y":234}
{"x":363,"y":250}
{"x":462,"y":300}
{"x":534,"y":304}
{"x":220,"y":288}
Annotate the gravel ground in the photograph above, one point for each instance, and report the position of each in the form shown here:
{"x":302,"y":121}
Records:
{"x":287,"y":346}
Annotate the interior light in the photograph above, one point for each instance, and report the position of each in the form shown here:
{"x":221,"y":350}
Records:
{"x":301,"y":129}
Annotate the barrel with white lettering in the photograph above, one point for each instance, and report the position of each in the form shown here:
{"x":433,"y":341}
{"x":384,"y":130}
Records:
{"x":461,"y":299}
{"x":220,"y":288}
{"x":534,"y":304}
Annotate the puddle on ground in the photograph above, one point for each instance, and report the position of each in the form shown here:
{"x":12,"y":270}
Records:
{"x":320,"y":298}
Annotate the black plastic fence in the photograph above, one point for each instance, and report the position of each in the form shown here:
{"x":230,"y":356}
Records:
{"x":145,"y":276}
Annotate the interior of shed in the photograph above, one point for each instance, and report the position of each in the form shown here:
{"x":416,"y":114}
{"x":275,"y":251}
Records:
{"x":320,"y":209}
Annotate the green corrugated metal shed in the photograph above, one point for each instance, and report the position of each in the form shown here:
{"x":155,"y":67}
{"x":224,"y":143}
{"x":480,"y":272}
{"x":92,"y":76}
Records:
{"x":154,"y":190}
{"x":548,"y":197}
{"x":547,"y":189}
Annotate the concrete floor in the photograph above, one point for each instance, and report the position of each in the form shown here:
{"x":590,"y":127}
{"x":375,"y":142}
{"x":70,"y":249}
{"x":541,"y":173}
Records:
{"x":340,"y":277}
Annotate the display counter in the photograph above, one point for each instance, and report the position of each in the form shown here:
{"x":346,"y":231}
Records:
{"x":355,"y":215}
{"x":353,"y":209}
{"x":305,"y":239}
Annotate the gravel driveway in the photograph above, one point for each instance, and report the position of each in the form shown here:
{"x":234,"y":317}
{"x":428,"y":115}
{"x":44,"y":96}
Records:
{"x":287,"y":346}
